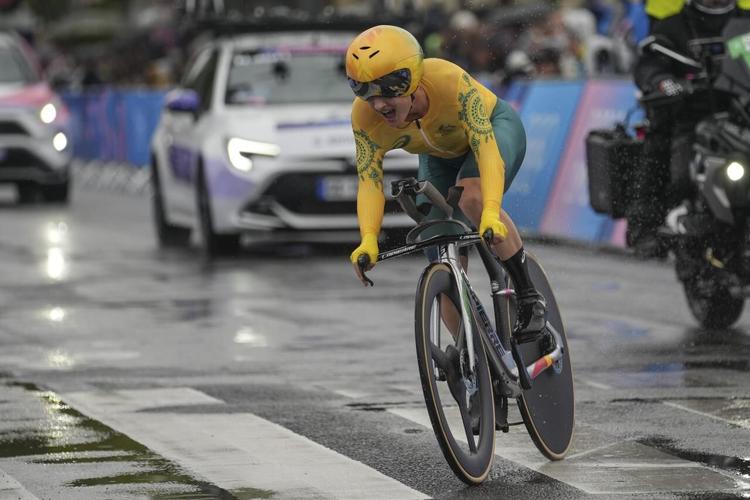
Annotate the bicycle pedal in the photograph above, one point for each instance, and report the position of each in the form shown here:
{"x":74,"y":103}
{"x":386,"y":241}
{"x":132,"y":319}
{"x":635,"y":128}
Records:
{"x":547,"y":343}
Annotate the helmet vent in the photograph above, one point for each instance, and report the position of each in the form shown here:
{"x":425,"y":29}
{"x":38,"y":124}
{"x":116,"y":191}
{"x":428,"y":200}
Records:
{"x":355,"y":56}
{"x":365,"y":47}
{"x":374,"y":54}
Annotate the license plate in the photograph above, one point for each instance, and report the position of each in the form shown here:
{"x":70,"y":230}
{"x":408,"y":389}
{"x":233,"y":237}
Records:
{"x":337,"y":188}
{"x":344,"y":187}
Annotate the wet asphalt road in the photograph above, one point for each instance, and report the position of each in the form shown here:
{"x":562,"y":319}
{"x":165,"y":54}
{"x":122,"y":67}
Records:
{"x":93,"y":316}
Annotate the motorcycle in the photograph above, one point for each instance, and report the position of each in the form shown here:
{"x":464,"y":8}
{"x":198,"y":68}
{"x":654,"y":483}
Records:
{"x":709,"y":230}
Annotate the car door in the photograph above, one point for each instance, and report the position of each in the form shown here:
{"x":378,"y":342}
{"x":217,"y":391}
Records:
{"x":184,"y":134}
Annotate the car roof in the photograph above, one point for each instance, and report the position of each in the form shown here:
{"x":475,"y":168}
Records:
{"x":326,"y":39}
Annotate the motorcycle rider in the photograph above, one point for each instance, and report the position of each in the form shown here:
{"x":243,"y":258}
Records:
{"x":666,"y":64}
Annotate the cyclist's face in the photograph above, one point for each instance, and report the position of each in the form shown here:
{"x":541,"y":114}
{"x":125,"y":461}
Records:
{"x":392,"y":109}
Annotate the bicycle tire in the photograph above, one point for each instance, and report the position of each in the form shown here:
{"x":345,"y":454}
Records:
{"x":548,"y":408}
{"x":472,"y":467}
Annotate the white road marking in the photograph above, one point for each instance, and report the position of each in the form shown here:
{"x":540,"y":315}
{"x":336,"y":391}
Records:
{"x":597,"y":385}
{"x":10,"y":488}
{"x":236,"y":450}
{"x":600,"y":465}
{"x":745,"y":423}
{"x":351,"y":394}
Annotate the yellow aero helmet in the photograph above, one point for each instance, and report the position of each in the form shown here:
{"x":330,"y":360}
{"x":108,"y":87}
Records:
{"x":384,"y":61}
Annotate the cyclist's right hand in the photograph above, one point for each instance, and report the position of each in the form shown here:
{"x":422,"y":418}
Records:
{"x":368,"y":247}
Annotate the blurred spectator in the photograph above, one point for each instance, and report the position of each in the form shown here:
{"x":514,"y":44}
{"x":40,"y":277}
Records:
{"x":552,"y":48}
{"x":496,"y":40}
{"x":90,"y":76}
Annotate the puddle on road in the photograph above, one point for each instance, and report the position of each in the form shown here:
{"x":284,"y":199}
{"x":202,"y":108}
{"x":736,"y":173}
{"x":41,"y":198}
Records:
{"x":69,"y":437}
{"x":738,"y":465}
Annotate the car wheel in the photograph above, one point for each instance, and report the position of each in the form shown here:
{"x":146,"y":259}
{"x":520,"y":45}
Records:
{"x":213,"y":244}
{"x":167,"y":235}
{"x":28,"y":192}
{"x":56,"y":193}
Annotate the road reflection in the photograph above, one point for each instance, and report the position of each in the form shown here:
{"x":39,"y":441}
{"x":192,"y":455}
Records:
{"x":56,"y":234}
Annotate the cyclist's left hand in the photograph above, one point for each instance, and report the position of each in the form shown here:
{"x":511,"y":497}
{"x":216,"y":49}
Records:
{"x":491,"y":220}
{"x":368,"y":247}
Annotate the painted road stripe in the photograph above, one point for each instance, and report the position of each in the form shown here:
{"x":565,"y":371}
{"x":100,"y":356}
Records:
{"x":236,"y":450}
{"x":740,"y":420}
{"x":10,"y":488}
{"x":600,"y":464}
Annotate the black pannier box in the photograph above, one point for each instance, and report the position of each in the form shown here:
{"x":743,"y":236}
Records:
{"x":611,"y":157}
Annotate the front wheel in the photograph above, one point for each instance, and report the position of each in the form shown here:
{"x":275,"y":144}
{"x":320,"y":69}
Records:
{"x":711,"y":303}
{"x":214,"y":244}
{"x":167,"y":235}
{"x":56,"y":193}
{"x":459,"y":400}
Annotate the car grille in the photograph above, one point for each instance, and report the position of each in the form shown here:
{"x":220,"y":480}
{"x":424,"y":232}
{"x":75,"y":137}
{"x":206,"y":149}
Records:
{"x":298,"y":193}
{"x":15,"y":157}
{"x":12,"y":128}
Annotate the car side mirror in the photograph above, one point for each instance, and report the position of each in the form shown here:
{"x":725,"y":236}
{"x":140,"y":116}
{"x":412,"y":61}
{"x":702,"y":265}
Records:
{"x":183,"y":100}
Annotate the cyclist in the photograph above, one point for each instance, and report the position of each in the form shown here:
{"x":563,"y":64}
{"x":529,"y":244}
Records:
{"x":463,"y":133}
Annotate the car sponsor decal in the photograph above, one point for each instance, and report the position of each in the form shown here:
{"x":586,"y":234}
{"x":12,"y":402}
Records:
{"x":327,"y":123}
{"x":181,"y":161}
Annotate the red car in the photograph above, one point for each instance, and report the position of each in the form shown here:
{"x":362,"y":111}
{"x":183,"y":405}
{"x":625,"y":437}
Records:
{"x":35,"y":149}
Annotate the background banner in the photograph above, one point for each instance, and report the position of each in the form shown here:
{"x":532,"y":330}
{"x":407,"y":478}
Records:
{"x":568,"y":213}
{"x":547,"y":111}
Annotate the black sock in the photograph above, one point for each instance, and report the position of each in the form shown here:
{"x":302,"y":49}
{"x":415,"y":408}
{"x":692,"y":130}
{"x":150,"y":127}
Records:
{"x":519,"y":273}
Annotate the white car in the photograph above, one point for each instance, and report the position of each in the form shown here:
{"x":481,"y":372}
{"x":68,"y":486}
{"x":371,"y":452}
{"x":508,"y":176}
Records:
{"x":35,"y":154}
{"x":257,"y":141}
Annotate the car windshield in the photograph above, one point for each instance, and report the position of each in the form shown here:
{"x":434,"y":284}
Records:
{"x":13,"y":67}
{"x":285,"y":77}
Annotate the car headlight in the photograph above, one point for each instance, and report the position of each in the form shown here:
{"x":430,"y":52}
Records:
{"x":241,"y":151}
{"x":48,"y":113}
{"x":735,"y":171}
{"x":60,"y":141}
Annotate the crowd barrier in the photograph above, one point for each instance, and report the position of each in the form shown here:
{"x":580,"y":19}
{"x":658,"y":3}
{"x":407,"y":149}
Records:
{"x":114,"y":125}
{"x":548,"y":197}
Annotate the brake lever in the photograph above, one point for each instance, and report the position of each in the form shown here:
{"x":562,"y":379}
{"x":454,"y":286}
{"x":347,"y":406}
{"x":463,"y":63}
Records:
{"x":363,"y":261}
{"x":488,"y":236}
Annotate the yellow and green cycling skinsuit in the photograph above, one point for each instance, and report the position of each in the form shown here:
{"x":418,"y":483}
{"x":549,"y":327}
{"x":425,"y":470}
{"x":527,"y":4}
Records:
{"x":462,"y":135}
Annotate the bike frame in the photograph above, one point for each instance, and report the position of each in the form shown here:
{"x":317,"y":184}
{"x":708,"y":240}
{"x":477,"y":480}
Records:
{"x":503,"y":360}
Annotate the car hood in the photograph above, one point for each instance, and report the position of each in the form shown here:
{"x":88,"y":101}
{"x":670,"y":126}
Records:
{"x":24,"y":96}
{"x":309,"y":131}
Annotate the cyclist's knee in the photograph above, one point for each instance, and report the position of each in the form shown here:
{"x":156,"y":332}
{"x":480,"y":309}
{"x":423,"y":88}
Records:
{"x":471,"y":202}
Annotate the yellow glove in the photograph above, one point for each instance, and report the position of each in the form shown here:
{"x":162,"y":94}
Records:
{"x":491,"y":220}
{"x":369,"y":247}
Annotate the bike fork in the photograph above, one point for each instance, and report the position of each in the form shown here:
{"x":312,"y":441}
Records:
{"x":450,"y":256}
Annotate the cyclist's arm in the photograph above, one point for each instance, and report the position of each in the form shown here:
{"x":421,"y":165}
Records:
{"x":370,"y":197}
{"x":476,"y":123}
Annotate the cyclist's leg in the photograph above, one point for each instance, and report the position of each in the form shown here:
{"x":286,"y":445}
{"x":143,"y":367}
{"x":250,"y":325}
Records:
{"x":511,"y":140}
{"x":441,"y":173}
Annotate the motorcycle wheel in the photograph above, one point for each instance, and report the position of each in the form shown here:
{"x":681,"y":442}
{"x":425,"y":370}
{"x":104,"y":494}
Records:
{"x":713,"y":306}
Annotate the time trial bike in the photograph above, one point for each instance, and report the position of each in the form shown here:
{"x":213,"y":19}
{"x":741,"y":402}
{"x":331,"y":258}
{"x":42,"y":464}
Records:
{"x":471,"y":367}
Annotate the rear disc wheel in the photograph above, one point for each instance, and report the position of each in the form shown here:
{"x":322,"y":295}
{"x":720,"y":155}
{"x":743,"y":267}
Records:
{"x":548,"y":408}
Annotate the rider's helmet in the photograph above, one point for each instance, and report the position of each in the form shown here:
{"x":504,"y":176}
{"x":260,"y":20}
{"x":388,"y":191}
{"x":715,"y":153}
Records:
{"x":384,"y":61}
{"x":713,"y":7}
